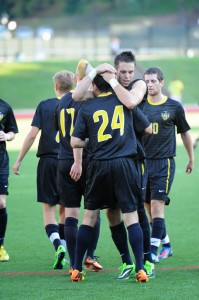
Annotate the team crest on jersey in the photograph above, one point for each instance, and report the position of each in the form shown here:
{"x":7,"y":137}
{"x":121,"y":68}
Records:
{"x":1,"y":115}
{"x":165,"y":115}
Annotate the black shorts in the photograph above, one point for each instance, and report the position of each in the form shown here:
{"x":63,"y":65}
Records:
{"x":112,"y":183}
{"x":4,"y":162}
{"x":160,"y":177}
{"x":142,"y":181}
{"x":3,"y":184}
{"x":70,"y":191}
{"x":46,"y":180}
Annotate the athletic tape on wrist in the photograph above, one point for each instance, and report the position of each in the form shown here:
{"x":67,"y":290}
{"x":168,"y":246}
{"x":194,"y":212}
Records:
{"x":113,"y":83}
{"x":92,"y":74}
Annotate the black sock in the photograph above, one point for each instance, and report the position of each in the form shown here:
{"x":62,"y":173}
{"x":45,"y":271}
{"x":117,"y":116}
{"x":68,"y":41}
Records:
{"x":3,"y":224}
{"x":52,"y":232}
{"x":70,"y":231}
{"x":61,"y":231}
{"x":136,"y":242}
{"x":83,"y":239}
{"x":158,"y":227}
{"x":120,"y":240}
{"x":144,"y":223}
{"x":95,"y":236}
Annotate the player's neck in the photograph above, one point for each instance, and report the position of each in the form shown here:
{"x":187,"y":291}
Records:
{"x":159,"y":98}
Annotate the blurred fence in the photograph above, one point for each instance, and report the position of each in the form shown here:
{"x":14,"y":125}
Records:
{"x":145,"y":39}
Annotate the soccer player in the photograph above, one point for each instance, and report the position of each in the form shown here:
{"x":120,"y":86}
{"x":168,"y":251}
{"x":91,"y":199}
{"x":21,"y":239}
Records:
{"x":8,"y":128}
{"x":127,"y":91}
{"x":47,"y":152}
{"x":165,"y":115}
{"x":72,"y":165}
{"x":111,"y":174}
{"x":131,"y":93}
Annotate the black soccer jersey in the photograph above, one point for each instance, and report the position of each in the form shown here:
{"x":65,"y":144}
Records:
{"x":67,"y":114}
{"x":164,"y":116}
{"x":109,"y":126}
{"x":140,"y":124}
{"x":44,"y":120}
{"x":7,"y":120}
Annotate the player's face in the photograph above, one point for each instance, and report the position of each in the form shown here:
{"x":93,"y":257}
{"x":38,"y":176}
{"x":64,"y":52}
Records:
{"x":125,"y":73}
{"x":153,"y":84}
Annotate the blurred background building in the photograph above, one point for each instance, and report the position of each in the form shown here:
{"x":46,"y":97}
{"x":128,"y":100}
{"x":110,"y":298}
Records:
{"x":39,"y":30}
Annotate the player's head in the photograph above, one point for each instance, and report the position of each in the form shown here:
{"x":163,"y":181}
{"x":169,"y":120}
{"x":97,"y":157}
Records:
{"x":125,"y":64}
{"x":83,"y":68}
{"x":154,"y":79}
{"x":63,"y":81}
{"x":101,"y":84}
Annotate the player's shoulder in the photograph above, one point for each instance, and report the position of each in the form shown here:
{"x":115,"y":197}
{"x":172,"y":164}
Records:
{"x":4,"y":103}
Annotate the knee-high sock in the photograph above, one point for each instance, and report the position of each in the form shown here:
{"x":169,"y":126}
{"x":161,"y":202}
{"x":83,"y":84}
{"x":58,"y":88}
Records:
{"x":144,"y":223}
{"x":136,"y":242}
{"x":52,"y":232}
{"x":61,"y":234}
{"x":120,"y":240}
{"x":158,"y":227}
{"x":94,"y":240}
{"x":3,"y":224}
{"x":83,"y":239}
{"x":70,"y":231}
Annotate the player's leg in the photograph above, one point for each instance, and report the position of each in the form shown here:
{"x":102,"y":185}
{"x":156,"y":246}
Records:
{"x":91,"y":261}
{"x":120,"y":239}
{"x":61,"y":212}
{"x":3,"y":222}
{"x":83,"y":239}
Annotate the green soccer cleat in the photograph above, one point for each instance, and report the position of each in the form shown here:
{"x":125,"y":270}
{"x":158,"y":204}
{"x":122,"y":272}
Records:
{"x":126,"y":271}
{"x":150,"y":269}
{"x":3,"y":254}
{"x":59,"y":261}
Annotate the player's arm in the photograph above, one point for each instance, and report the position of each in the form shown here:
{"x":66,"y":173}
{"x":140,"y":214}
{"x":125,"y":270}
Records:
{"x":187,"y":141}
{"x":29,"y":140}
{"x":78,"y":143}
{"x":9,"y":136}
{"x":129,"y":98}
{"x":148,"y":130}
{"x":82,"y":92}
{"x":76,"y":169}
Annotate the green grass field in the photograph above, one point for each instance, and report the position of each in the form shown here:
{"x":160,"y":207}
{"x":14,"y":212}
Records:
{"x":29,"y":273}
{"x":24,"y":85}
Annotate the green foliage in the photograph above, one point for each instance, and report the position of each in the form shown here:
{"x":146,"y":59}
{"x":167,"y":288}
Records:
{"x":29,"y":273}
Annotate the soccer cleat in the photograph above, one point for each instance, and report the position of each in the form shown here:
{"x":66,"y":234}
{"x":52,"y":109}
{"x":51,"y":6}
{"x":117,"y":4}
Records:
{"x":150,"y":269}
{"x":155,"y":258}
{"x":70,"y":271}
{"x":126,"y":271}
{"x":165,"y":252}
{"x":93,"y":264}
{"x":77,"y":275}
{"x":142,"y":276}
{"x":3,"y":254}
{"x":59,"y":261}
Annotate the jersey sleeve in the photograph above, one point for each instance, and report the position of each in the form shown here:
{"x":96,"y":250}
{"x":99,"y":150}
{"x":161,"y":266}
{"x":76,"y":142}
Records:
{"x":37,"y":119}
{"x":11,"y":124}
{"x":80,"y":130}
{"x":141,"y":122}
{"x":180,"y":120}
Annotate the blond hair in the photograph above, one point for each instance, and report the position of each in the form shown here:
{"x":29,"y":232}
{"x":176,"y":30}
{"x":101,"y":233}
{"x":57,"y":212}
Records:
{"x":64,"y":80}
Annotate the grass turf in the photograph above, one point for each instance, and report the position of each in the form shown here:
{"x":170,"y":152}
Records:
{"x":29,"y":273}
{"x":24,"y":85}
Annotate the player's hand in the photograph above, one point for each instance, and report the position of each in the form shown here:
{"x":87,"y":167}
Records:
{"x":76,"y":171}
{"x":189,"y":168}
{"x":15,"y":168}
{"x":105,"y":68}
{"x":108,"y":76}
{"x":4,"y":136}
